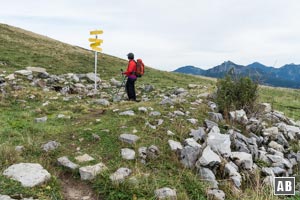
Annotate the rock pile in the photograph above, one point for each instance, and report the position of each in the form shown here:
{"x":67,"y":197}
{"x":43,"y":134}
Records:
{"x":230,"y":154}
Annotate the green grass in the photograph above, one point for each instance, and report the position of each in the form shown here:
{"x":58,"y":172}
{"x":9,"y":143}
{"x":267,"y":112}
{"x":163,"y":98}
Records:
{"x":20,"y":49}
{"x":282,"y":99}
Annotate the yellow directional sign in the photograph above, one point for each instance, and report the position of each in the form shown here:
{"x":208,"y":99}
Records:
{"x":96,"y":48}
{"x":95,"y":40}
{"x":96,"y":32}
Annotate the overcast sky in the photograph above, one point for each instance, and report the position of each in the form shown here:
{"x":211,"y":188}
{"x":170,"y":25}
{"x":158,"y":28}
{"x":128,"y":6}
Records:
{"x":168,"y":34}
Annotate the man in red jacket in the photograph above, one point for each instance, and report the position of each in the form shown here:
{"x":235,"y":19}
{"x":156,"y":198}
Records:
{"x":130,"y":73}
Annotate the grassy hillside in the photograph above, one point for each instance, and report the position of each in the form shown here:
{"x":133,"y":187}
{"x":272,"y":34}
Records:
{"x":20,"y":48}
{"x":19,"y":107}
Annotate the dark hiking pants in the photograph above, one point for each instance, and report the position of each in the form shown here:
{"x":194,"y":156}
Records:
{"x":130,"y":89}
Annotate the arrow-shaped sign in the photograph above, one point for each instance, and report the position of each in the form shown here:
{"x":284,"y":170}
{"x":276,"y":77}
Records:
{"x":95,"y":40}
{"x":95,"y":48}
{"x":96,"y":32}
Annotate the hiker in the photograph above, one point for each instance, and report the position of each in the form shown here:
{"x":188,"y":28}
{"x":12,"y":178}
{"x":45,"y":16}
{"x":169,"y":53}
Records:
{"x":131,"y":77}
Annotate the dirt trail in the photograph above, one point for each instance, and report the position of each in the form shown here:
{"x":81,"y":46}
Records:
{"x":73,"y":189}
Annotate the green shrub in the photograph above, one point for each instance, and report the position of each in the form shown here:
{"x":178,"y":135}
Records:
{"x":236,"y":93}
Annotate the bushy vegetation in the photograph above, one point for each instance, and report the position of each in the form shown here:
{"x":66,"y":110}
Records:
{"x":236,"y":93}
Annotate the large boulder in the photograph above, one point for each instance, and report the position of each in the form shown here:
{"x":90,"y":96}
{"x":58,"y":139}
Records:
{"x":91,"y":77}
{"x":208,"y":175}
{"x":243,"y":160}
{"x":219,"y":143}
{"x":209,"y":158}
{"x":190,"y":153}
{"x":29,"y":174}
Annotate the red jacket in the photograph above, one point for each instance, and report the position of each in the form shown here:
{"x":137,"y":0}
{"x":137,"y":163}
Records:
{"x":131,"y":68}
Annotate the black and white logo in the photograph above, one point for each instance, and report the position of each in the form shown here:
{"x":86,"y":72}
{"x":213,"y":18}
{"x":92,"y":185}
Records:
{"x":284,"y":186}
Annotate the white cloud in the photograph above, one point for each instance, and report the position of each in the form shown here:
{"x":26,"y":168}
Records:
{"x":169,"y":34}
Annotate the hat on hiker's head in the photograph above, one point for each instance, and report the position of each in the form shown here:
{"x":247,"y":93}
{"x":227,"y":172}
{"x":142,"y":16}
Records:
{"x":130,"y":56}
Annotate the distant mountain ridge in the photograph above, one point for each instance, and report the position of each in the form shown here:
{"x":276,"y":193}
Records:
{"x":285,"y":76}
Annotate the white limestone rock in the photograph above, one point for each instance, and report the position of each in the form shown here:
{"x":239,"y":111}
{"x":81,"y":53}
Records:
{"x":91,"y":171}
{"x":29,"y":174}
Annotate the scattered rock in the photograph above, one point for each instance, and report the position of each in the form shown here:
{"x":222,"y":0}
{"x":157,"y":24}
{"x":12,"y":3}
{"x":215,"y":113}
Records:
{"x":103,"y":102}
{"x":165,"y":193}
{"x":90,"y":172}
{"x":128,"y":113}
{"x":216,"y":117}
{"x":198,"y":134}
{"x":36,"y":69}
{"x":42,"y":119}
{"x":214,"y":194}
{"x":149,"y":88}
{"x":129,"y":138}
{"x":120,"y":175}
{"x":239,"y":116}
{"x":152,"y":152}
{"x":192,"y":120}
{"x":128,"y":154}
{"x":84,"y":158}
{"x":19,"y":149}
{"x":24,"y":72}
{"x":174,"y":145}
{"x":154,"y":113}
{"x":50,"y":146}
{"x":91,"y":77}
{"x":64,"y":161}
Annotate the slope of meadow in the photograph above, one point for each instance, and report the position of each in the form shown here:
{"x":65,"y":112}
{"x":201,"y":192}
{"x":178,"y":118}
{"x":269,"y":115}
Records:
{"x":88,"y":127}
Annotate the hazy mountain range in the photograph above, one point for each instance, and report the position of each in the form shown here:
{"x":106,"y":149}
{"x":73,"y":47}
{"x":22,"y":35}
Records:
{"x":285,"y":76}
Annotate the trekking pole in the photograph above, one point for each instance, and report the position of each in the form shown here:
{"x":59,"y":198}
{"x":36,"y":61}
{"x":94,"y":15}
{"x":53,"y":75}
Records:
{"x":122,"y":84}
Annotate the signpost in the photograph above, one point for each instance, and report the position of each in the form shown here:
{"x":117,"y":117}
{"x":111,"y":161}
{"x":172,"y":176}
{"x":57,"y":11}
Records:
{"x":95,"y":46}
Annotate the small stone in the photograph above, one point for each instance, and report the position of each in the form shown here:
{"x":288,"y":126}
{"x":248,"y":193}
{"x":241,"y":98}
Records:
{"x":193,"y":121}
{"x":91,"y":171}
{"x":127,"y":113}
{"x":174,"y":145}
{"x":50,"y":146}
{"x":128,"y":138}
{"x":143,"y":109}
{"x":120,"y":175}
{"x":84,"y":158}
{"x":103,"y":102}
{"x":215,"y":194}
{"x":165,"y":193}
{"x":95,"y":136}
{"x":152,"y":152}
{"x":170,"y":133}
{"x":42,"y":119}
{"x":64,"y":161}
{"x":19,"y":149}
{"x":154,"y":113}
{"x":128,"y":154}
